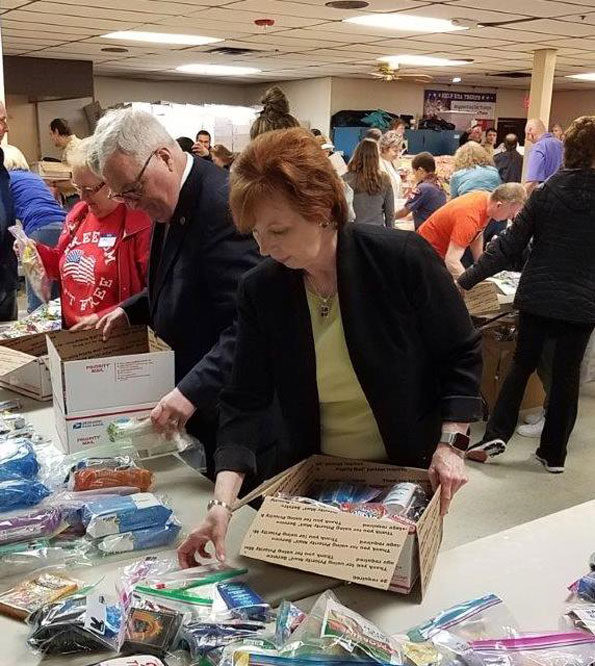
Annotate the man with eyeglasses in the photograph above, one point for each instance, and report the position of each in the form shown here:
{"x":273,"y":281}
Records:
{"x":197,"y":259}
{"x":8,"y":261}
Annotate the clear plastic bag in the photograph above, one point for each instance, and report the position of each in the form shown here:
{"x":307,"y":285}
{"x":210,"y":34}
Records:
{"x":32,"y":264}
{"x":139,"y":660}
{"x":154,"y":536}
{"x":147,"y":440}
{"x":32,"y":525}
{"x":78,"y":623}
{"x":584,"y":588}
{"x":289,"y":618}
{"x":17,"y":492}
{"x":484,"y":617}
{"x":152,"y":631}
{"x":18,"y":457}
{"x":336,"y":493}
{"x":562,"y":649}
{"x":207,"y":638}
{"x":151,"y":566}
{"x":22,"y":558}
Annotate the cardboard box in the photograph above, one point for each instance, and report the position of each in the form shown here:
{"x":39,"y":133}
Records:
{"x":482,"y":299}
{"x":95,"y":382}
{"x":377,"y":553}
{"x":497,"y":357}
{"x":24,"y":366}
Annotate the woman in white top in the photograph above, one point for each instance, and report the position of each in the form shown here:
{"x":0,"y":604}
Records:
{"x":391,"y":145}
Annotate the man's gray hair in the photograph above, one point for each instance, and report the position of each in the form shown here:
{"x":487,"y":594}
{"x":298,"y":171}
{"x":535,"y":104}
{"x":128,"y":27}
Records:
{"x":129,"y":131}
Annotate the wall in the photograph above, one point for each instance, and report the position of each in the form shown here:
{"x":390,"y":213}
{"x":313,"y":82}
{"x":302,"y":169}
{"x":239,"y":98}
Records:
{"x":69,"y":109}
{"x":309,"y":100}
{"x":569,"y":104}
{"x":112,"y":90}
{"x":22,"y":123}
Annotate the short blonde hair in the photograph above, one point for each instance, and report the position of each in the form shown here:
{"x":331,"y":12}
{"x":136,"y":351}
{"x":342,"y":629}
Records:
{"x":510,"y":193}
{"x":80,"y":158}
{"x":471,"y":155}
{"x":14,"y":160}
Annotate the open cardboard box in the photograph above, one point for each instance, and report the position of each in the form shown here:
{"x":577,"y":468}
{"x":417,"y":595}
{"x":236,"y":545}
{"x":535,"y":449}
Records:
{"x":24,"y":366}
{"x":96,"y":382}
{"x":377,"y":553}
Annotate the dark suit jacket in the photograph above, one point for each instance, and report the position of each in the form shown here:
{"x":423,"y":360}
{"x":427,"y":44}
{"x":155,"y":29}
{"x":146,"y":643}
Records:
{"x":8,"y":259}
{"x":409,"y":336}
{"x":193,"y":277}
{"x":509,"y":165}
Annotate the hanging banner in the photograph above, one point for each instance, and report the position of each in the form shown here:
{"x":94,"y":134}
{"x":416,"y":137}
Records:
{"x":480,"y":104}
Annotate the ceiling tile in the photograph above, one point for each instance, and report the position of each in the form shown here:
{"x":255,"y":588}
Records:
{"x":582,"y":19}
{"x":99,"y":12}
{"x":66,"y":21}
{"x":331,"y":36}
{"x":13,"y":4}
{"x":470,"y":12}
{"x":543,"y":8}
{"x":141,"y":6}
{"x":552,"y":27}
{"x":460,"y":39}
{"x":30,"y":24}
{"x":248,"y":18}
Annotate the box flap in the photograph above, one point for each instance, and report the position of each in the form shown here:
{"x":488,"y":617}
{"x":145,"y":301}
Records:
{"x":336,"y":544}
{"x":429,"y":538}
{"x":81,"y":345}
{"x":156,"y":344}
{"x":56,"y":372}
{"x":12,"y":359}
{"x":34,"y":344}
{"x":482,"y":299}
{"x":270,"y":485}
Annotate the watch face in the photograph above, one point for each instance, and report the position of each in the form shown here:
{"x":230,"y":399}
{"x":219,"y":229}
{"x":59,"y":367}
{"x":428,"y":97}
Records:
{"x":460,"y":442}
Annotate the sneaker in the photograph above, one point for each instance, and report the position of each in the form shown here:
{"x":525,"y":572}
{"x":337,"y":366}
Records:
{"x":532,"y":429}
{"x":482,"y":451}
{"x":552,"y":469}
{"x":534,"y":417}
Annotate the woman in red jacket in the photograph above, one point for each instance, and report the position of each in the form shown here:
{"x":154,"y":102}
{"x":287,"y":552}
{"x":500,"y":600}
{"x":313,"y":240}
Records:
{"x":101,"y":257}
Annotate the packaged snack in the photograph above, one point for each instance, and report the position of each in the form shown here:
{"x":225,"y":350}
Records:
{"x":16,"y":492}
{"x":18,"y":457}
{"x":33,"y":593}
{"x":150,"y":631}
{"x":77,"y":623}
{"x":584,"y":588}
{"x":336,"y":493}
{"x":156,"y":536}
{"x":32,"y":525}
{"x":563,"y":649}
{"x":473,"y":620}
{"x":406,"y":499}
{"x":243,"y":602}
{"x":32,"y":264}
{"x":583,"y":617}
{"x":97,"y":478}
{"x":289,"y":618}
{"x":117,"y":514}
{"x":202,"y":638}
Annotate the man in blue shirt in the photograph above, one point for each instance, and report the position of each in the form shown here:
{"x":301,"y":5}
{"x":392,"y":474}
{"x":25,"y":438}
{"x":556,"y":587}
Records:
{"x":545,"y":157}
{"x":427,"y":196}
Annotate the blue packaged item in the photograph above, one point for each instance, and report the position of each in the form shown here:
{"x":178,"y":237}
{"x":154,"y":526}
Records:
{"x":150,"y":537}
{"x":202,"y":638}
{"x":17,"y":492}
{"x":18,"y":457}
{"x":335,"y":493}
{"x":242,"y":601}
{"x":116,"y":514}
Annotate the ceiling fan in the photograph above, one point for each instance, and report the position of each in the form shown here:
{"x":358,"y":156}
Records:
{"x":388,"y":72}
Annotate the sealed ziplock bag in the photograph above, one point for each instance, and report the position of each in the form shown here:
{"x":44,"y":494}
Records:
{"x":204,"y":638}
{"x":17,"y":492}
{"x":78,"y":623}
{"x":27,"y":556}
{"x":472,"y":620}
{"x":154,"y":631}
{"x":18,"y":457}
{"x":32,"y":264}
{"x":252,"y":659}
{"x":563,"y":649}
{"x":30,"y":525}
{"x":196,"y":603}
{"x":336,"y":630}
{"x":155,"y":536}
{"x":139,"y":660}
{"x":140,"y":570}
{"x":289,"y":618}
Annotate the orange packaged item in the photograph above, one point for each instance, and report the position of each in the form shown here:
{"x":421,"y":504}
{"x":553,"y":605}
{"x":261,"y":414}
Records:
{"x":103,"y":477}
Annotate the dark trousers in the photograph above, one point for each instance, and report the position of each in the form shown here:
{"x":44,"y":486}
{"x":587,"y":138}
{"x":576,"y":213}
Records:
{"x":569,"y":343}
{"x":9,"y":310}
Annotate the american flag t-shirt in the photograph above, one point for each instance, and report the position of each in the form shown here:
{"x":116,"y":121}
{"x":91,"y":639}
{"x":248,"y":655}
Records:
{"x":79,"y":267}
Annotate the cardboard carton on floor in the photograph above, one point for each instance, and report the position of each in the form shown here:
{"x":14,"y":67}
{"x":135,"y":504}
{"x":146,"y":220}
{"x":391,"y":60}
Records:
{"x":24,"y":366}
{"x":377,"y":553}
{"x":96,"y":382}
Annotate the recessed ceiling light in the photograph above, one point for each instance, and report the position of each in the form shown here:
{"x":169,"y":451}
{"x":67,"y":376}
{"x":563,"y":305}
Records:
{"x":587,"y":76}
{"x":405,"y":23}
{"x":347,"y":4}
{"x":217,"y":70}
{"x":421,"y":60}
{"x":161,"y":37}
{"x":457,"y":79}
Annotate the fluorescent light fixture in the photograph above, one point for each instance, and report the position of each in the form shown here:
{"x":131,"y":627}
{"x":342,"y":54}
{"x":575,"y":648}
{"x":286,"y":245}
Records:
{"x":405,"y":23}
{"x":421,"y":60}
{"x":457,"y":79}
{"x":217,"y":70}
{"x":161,"y":38}
{"x":587,"y":76}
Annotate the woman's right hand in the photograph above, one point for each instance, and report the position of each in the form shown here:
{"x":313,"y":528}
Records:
{"x":213,"y":530}
{"x":112,"y":320}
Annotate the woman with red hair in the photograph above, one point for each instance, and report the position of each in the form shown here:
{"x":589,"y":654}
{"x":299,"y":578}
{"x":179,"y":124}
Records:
{"x":357,"y":330}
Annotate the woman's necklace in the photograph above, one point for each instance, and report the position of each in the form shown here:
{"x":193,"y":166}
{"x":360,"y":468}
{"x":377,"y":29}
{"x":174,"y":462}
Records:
{"x":325,"y":303}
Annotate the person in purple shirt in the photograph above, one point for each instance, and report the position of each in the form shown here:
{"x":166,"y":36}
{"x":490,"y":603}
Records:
{"x":427,"y":195}
{"x":545,"y":157}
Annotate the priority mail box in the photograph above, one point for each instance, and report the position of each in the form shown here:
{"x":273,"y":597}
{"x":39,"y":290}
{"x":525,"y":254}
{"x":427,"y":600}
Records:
{"x":24,"y":366}
{"x":378,"y":553}
{"x":95,"y":382}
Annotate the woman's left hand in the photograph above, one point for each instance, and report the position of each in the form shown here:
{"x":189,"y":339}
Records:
{"x":172,"y":411}
{"x":448,"y":471}
{"x":85,"y":322}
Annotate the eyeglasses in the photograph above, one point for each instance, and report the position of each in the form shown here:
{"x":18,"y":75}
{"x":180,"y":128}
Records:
{"x":135,"y":191}
{"x":88,"y":191}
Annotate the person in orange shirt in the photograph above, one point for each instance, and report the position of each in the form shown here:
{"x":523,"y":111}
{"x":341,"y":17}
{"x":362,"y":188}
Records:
{"x":460,"y":223}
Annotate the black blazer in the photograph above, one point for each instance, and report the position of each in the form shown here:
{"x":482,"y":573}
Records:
{"x":190,"y":300}
{"x":8,"y":259}
{"x":409,"y":336}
